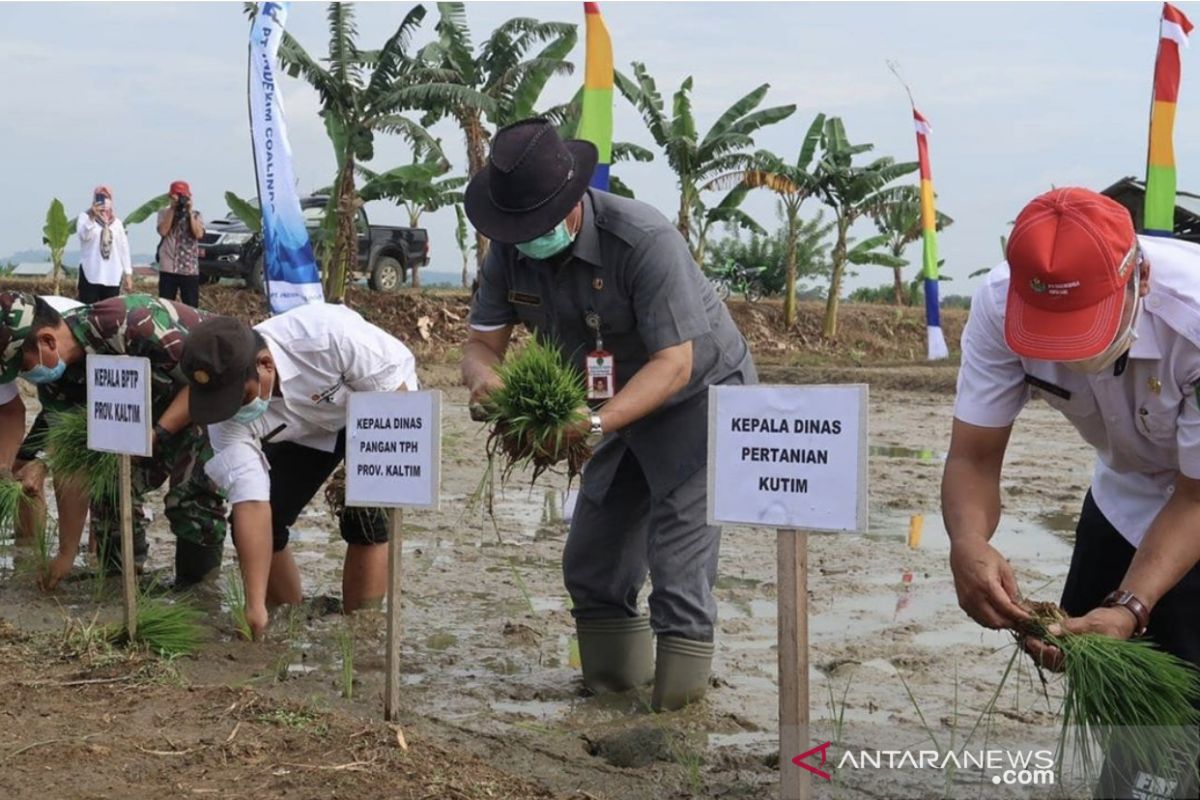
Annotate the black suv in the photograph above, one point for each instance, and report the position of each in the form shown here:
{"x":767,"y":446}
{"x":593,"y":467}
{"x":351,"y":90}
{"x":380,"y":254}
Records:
{"x":386,"y":253}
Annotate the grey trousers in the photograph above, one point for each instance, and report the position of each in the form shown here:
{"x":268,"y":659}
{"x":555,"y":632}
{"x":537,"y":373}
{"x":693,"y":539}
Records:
{"x":614,"y":543}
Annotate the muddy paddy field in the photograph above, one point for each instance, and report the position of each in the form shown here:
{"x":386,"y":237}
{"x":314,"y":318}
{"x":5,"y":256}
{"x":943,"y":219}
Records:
{"x":492,"y":699}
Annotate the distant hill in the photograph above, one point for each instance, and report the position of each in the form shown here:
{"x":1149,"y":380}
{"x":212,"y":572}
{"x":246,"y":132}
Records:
{"x":70,"y":257}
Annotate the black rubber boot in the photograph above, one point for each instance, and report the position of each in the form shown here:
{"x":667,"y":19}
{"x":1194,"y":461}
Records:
{"x":681,"y":673}
{"x":616,"y":654}
{"x":194,"y":562}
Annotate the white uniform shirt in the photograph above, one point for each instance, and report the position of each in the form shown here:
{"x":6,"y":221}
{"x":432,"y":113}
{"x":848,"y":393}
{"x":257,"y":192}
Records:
{"x":322,"y":353}
{"x":8,"y":391}
{"x":98,"y":270}
{"x":1144,"y":423}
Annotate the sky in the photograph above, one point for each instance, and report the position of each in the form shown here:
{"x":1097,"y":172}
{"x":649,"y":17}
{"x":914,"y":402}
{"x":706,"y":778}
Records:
{"x":1022,"y":97}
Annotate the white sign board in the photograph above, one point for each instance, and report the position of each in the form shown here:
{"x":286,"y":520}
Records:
{"x":394,"y":449}
{"x":118,"y":405}
{"x":788,"y":456}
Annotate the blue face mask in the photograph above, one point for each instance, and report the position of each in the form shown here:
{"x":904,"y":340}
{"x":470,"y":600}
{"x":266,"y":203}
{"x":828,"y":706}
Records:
{"x":549,"y":244}
{"x":251,"y":411}
{"x":43,"y":374}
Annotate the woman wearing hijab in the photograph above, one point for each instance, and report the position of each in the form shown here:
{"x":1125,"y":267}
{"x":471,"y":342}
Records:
{"x":105,"y":249}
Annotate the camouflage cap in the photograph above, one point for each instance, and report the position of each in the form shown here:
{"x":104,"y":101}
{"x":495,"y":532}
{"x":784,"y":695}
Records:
{"x":16,"y":320}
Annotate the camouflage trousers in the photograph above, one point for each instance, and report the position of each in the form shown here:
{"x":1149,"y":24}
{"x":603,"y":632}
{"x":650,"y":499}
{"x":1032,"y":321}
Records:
{"x":194,"y":506}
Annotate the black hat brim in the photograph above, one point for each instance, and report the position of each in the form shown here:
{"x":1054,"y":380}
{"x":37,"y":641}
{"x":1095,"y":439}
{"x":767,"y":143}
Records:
{"x":513,"y":228}
{"x":209,"y":406}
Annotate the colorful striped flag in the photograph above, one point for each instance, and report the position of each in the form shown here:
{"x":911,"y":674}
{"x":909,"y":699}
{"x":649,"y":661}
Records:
{"x":1158,"y":219}
{"x":933,"y":322}
{"x":596,"y":121}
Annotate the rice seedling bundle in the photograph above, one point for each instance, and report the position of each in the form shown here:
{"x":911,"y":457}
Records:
{"x":68,"y":456}
{"x":1125,"y":692}
{"x":169,"y":629}
{"x":542,"y":396}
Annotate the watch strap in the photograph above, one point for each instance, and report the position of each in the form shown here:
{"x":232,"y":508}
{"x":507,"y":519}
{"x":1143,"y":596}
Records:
{"x":1130,"y":602}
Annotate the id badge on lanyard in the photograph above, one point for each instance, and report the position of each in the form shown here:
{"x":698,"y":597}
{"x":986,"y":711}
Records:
{"x":601,"y":369}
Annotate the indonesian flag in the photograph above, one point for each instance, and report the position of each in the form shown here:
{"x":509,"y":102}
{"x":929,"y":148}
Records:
{"x":1175,"y":25}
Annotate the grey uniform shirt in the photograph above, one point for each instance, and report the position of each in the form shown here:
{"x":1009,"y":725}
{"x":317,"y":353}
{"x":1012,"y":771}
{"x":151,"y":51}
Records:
{"x":629,"y":266}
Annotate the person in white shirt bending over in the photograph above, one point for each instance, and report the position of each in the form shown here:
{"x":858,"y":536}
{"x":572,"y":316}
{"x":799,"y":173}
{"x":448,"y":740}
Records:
{"x":274,"y":399}
{"x":105,"y":250}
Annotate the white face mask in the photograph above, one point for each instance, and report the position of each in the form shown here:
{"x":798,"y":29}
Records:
{"x":1098,"y":363}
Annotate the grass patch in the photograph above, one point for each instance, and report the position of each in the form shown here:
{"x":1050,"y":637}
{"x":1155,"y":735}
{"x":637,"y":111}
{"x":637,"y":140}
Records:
{"x":235,"y":597}
{"x":68,"y":456}
{"x":170,"y":629}
{"x":301,"y":720}
{"x":346,"y":648}
{"x":12,"y":500}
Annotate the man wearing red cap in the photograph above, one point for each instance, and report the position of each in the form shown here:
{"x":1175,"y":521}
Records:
{"x":181,"y":228}
{"x":1104,"y":326}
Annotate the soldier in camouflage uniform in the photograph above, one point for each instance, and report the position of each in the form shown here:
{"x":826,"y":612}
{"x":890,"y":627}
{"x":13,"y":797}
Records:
{"x":54,"y":353}
{"x":16,"y":316}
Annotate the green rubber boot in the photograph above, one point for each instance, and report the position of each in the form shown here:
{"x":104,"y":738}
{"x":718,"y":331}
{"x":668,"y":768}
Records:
{"x":616,"y":654}
{"x":682,"y":672}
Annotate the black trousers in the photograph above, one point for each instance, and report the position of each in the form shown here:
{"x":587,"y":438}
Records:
{"x":94,"y":292}
{"x":297,"y":473}
{"x":185,"y":287}
{"x":1098,"y":564}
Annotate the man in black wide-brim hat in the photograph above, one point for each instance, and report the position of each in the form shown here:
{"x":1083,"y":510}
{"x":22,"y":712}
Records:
{"x":613,"y":284}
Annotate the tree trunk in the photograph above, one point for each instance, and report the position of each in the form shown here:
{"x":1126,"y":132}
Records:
{"x":829,"y":330}
{"x":345,"y":247}
{"x":465,"y":281}
{"x":58,"y":276}
{"x":684,"y":223}
{"x":477,"y":137}
{"x":789,"y":297}
{"x":898,"y":285}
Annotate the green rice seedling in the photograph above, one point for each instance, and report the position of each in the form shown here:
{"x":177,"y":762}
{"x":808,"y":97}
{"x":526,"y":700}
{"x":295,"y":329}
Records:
{"x":167,"y":628}
{"x":68,"y":456}
{"x":346,"y":648}
{"x":1122,"y":692}
{"x":541,"y":397}
{"x":235,"y":598}
{"x":12,"y":500}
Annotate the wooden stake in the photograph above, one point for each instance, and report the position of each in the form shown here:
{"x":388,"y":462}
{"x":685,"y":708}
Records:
{"x":391,"y":700}
{"x":792,"y":581}
{"x":128,"y":562}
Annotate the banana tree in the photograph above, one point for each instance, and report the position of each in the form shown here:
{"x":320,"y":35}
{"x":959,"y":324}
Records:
{"x":363,"y":93}
{"x":850,"y":190}
{"x":898,"y":216}
{"x":464,"y":244}
{"x":696,"y":160}
{"x":726,"y":212}
{"x":501,"y":82}
{"x":417,"y":188}
{"x":793,"y":184}
{"x":55,"y":235}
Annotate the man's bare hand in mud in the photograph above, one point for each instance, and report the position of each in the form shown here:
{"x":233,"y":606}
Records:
{"x":257,"y":618}
{"x":986,"y":586}
{"x":56,"y":571}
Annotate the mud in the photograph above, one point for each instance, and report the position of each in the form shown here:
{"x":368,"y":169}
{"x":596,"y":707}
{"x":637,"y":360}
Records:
{"x":490,"y":667}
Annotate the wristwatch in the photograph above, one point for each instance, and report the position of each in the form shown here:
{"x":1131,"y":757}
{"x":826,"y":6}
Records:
{"x":595,"y":431}
{"x":1136,"y":607}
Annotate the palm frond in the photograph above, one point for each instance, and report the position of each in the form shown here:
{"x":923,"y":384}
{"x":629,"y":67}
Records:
{"x":142,"y":212}
{"x":394,"y":54}
{"x":454,"y":38}
{"x":745,"y":105}
{"x":628,"y":151}
{"x":548,"y":63}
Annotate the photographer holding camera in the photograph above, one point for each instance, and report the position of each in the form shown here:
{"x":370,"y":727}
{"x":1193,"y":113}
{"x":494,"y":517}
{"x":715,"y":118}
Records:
{"x":105,"y":263}
{"x":180,"y":227}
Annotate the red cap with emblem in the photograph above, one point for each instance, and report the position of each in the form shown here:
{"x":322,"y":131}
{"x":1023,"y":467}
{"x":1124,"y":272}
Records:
{"x":1070,"y":256}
